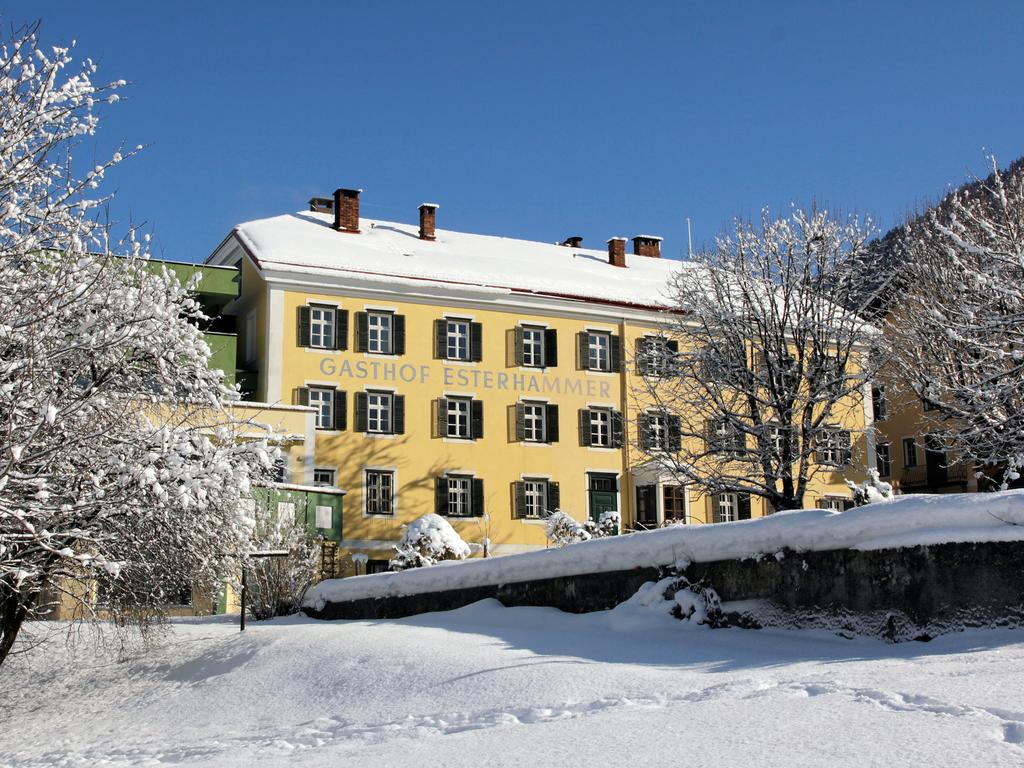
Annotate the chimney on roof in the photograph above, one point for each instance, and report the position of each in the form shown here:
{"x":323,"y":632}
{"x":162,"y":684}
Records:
{"x":647,"y":245}
{"x":617,"y":251}
{"x":346,"y":210}
{"x":573,"y":242}
{"x":428,"y":221}
{"x":321,"y":205}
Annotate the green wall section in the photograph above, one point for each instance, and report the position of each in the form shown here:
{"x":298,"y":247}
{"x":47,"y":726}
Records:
{"x":306,"y":502}
{"x":223,"y":346}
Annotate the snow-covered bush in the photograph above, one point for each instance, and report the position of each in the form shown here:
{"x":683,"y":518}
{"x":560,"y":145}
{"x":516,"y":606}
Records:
{"x":676,"y":595}
{"x":428,"y":540}
{"x":562,"y":529}
{"x":871,"y":490}
{"x":118,"y":461}
{"x":276,"y":585}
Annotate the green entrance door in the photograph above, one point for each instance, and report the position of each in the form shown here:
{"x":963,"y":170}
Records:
{"x":602,"y":493}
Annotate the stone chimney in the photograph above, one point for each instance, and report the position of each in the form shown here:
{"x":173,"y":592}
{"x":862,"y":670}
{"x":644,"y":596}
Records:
{"x":428,"y":221}
{"x":573,"y":242}
{"x":647,"y":245}
{"x":617,"y":251}
{"x":346,"y":210}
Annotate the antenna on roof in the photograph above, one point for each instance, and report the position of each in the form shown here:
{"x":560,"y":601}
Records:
{"x":689,"y":240}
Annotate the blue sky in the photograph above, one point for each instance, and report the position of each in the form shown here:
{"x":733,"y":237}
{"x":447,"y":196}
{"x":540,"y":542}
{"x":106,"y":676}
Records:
{"x":545,"y":119}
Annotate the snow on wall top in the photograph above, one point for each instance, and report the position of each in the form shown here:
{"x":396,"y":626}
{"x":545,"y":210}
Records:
{"x":305,"y":242}
{"x":903,"y":522}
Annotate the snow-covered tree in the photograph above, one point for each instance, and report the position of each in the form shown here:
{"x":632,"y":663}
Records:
{"x":425,"y":541}
{"x":118,"y":464}
{"x":275,"y":585}
{"x":759,"y":364}
{"x":958,"y":323}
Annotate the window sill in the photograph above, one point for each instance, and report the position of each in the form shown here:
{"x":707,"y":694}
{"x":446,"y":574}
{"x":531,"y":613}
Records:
{"x":459,"y":440}
{"x":603,"y":448}
{"x":322,"y":350}
{"x":381,"y":355}
{"x":382,"y":515}
{"x":535,"y":444}
{"x":453,"y":361}
{"x":380,"y":435}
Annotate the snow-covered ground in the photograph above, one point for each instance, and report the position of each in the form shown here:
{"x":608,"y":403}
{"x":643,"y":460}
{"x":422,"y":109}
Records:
{"x":486,"y":685}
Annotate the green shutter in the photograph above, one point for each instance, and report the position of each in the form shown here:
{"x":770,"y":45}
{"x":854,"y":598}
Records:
{"x":520,"y":421}
{"x":476,"y":342}
{"x":617,"y":429}
{"x":643,"y":431}
{"x":551,"y":422}
{"x":441,"y":495}
{"x":554,"y":497}
{"x":476,"y":419}
{"x":362,"y":332}
{"x":519,"y":345}
{"x":441,"y":339}
{"x":642,"y":351}
{"x":398,"y":414}
{"x":743,"y":506}
{"x":519,"y":499}
{"x":583,"y":350}
{"x":584,"y":427}
{"x":550,"y":348}
{"x":442,"y":417}
{"x":675,"y":439}
{"x":398,"y":335}
{"x":301,"y":396}
{"x":614,"y":353}
{"x":340,"y":410}
{"x":341,"y":329}
{"x":361,"y":411}
{"x":303,"y":333}
{"x":477,"y":504}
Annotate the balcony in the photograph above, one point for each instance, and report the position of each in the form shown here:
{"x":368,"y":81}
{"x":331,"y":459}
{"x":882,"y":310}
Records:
{"x":933,"y":477}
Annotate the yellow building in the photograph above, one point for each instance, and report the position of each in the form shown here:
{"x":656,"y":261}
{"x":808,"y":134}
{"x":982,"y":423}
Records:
{"x":484,"y":378}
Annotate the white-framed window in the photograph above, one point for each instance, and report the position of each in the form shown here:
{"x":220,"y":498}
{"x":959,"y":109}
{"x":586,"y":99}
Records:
{"x":459,"y":495}
{"x":726,"y":437}
{"x":458,"y":339}
{"x":533,"y":347}
{"x":533,"y":422}
{"x":379,"y":333}
{"x":728,"y":507}
{"x":380,"y":489}
{"x":879,"y":403}
{"x":654,"y":356}
{"x":323,"y":476}
{"x":378,"y":412}
{"x":777,"y":438}
{"x":833,"y":447}
{"x":883,"y":460}
{"x":836,"y":503}
{"x":598,"y":351}
{"x":321,"y":327}
{"x":657,"y":428}
{"x":600,"y":428}
{"x":909,"y":451}
{"x":323,"y":400}
{"x":459,"y":418}
{"x":536,"y":498}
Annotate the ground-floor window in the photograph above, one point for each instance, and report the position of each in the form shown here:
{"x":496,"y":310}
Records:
{"x":459,"y":499}
{"x":380,"y":486}
{"x":674,"y":503}
{"x":376,"y":566}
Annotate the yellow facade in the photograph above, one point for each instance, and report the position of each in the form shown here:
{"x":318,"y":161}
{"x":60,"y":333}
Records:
{"x":419,"y":455}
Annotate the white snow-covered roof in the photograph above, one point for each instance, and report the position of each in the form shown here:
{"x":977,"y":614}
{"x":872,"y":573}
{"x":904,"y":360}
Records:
{"x":306,"y":243}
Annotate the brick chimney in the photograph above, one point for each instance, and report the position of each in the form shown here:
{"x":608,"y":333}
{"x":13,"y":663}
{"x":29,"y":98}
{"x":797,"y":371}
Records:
{"x":573,"y":242}
{"x":617,"y":251}
{"x":428,"y":220}
{"x":346,"y":210}
{"x":647,"y":245}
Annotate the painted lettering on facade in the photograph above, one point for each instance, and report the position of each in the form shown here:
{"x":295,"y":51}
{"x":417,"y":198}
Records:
{"x":383,"y":372}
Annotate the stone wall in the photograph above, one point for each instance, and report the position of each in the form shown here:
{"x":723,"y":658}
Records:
{"x":910,"y":593}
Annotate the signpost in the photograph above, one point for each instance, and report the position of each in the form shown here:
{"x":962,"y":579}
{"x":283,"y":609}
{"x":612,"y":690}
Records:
{"x":258,"y":553}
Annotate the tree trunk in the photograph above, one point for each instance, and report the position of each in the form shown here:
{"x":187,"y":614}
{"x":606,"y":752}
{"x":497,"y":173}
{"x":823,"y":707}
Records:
{"x":12,"y":615}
